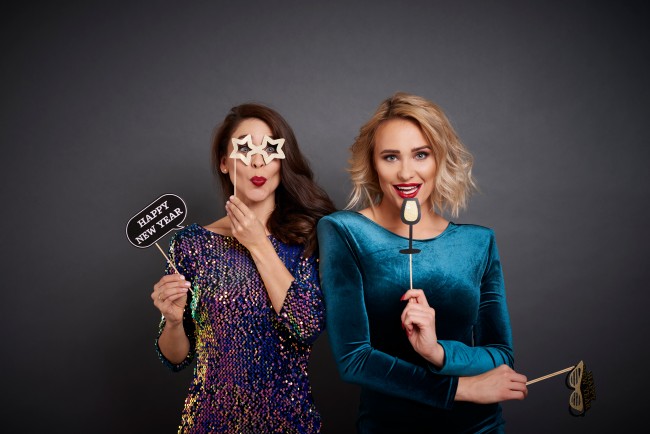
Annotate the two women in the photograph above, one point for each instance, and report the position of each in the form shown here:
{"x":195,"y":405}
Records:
{"x":246,"y":302}
{"x":434,"y":359}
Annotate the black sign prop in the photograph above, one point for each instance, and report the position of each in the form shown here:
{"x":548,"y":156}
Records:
{"x":156,"y":220}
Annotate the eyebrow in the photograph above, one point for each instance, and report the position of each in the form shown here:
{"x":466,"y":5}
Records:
{"x":395,"y":151}
{"x":244,"y":135}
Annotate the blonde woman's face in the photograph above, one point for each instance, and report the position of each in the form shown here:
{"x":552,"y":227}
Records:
{"x":404,"y":162}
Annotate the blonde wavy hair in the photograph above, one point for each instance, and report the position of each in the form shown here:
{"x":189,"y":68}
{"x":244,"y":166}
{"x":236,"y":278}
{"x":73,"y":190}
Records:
{"x":454,"y":182}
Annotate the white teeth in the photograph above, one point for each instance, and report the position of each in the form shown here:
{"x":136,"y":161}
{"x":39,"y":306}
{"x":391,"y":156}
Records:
{"x":407,"y":189}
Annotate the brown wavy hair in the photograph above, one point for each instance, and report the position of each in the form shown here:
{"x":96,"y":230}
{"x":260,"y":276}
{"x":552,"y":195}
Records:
{"x":454,"y":182}
{"x":300,"y":202}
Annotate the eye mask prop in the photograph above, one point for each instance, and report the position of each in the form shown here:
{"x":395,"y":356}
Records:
{"x":581,"y":382}
{"x":244,"y":149}
{"x":579,"y":379}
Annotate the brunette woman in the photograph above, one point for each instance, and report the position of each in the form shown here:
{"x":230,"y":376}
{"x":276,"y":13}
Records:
{"x":246,"y":303}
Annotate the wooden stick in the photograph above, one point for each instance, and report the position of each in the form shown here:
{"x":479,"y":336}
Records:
{"x":411,"y":269}
{"x":549,"y":375}
{"x":234,"y":182}
{"x":170,"y":262}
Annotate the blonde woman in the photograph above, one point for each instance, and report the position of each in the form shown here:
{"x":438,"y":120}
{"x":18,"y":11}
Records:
{"x":434,"y":359}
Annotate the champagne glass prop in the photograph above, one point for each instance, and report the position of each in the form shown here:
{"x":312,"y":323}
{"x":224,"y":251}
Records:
{"x":410,"y":215}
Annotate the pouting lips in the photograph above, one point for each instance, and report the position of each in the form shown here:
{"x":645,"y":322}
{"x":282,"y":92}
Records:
{"x":407,"y":191}
{"x":258,"y":180}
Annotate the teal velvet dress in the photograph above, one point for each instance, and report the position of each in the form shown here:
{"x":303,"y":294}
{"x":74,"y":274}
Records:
{"x":363,"y":276}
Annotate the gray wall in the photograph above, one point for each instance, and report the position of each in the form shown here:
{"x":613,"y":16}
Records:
{"x":106,"y":105}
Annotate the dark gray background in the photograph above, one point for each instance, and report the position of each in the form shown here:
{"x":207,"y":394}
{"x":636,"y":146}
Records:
{"x":107,"y":105}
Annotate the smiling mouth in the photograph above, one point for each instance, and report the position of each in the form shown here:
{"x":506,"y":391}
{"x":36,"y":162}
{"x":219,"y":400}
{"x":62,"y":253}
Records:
{"x":407,"y":191}
{"x":258,"y":180}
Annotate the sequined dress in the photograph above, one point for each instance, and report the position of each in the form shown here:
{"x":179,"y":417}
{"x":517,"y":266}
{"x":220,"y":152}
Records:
{"x":251,"y":362}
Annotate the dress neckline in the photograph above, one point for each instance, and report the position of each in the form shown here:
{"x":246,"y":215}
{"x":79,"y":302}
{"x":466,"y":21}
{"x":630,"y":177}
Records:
{"x":204,"y":229}
{"x":448,"y":228}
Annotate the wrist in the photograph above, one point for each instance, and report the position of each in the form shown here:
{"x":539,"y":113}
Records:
{"x":462,"y":391}
{"x":437,"y":356}
{"x":173,"y":324}
{"x":261,"y":249}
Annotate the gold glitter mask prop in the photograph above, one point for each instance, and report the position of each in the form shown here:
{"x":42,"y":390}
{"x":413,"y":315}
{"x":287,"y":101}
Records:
{"x":244,"y":149}
{"x":582,"y":384}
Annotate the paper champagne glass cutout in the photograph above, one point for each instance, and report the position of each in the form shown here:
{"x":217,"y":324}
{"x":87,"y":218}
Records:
{"x":410,"y":216}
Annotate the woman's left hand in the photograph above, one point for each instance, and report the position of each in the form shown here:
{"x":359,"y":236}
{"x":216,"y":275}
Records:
{"x":245,"y":225}
{"x":419,"y":321}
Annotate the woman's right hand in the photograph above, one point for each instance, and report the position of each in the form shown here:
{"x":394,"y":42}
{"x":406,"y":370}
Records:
{"x":170,"y":295}
{"x":499,"y":384}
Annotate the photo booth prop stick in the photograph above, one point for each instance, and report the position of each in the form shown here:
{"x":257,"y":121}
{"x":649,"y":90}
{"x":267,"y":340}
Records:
{"x":155,"y":221}
{"x":410,"y":216}
{"x":582,"y":384}
{"x":244,"y":149}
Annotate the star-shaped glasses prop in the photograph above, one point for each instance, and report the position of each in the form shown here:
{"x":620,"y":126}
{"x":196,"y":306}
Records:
{"x":244,"y":149}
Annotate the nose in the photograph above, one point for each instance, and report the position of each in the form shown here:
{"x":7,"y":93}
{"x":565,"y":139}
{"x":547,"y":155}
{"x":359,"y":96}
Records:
{"x":257,"y":161}
{"x":405,"y":171}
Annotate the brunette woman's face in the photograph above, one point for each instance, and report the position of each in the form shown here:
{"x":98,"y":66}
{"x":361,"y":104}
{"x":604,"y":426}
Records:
{"x":257,"y":181}
{"x":404,"y":163}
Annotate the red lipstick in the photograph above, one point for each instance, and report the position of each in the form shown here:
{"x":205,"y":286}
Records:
{"x":258,"y":180}
{"x":407,"y":191}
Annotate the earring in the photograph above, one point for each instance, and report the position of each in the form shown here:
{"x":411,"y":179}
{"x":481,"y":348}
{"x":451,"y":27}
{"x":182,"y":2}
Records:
{"x":224,"y":170}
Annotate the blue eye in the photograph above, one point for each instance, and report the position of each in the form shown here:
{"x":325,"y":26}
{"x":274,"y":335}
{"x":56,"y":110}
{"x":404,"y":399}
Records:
{"x":421,"y":155}
{"x":270,"y":149}
{"x":244,"y":149}
{"x":390,"y":158}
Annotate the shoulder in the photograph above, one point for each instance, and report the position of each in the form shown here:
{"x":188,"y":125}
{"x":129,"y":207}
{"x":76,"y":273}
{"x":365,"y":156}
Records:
{"x":341,"y":219}
{"x":189,"y":233}
{"x":472,"y":231}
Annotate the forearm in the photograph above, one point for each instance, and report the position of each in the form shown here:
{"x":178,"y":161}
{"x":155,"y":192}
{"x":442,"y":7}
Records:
{"x":173,"y":343}
{"x":277,"y":279}
{"x":499,"y":384}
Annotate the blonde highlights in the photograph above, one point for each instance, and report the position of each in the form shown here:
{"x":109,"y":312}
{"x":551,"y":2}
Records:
{"x":454,"y":182}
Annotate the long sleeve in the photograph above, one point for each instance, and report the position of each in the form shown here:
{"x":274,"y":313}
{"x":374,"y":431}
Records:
{"x":182,"y":262}
{"x":349,"y":332}
{"x":492,"y":332}
{"x":303,"y":310}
